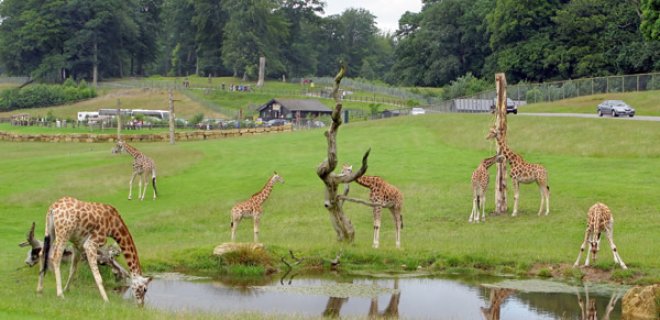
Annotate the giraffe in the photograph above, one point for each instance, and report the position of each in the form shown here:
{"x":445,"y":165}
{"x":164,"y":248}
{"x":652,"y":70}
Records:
{"x":523,"y":172}
{"x":497,"y":297}
{"x":479,"y":185}
{"x":599,"y":219}
{"x":142,"y":165}
{"x":382,"y":195}
{"x":251,"y":208}
{"x":88,"y":225}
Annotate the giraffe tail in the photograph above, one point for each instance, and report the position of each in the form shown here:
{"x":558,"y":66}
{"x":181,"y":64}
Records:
{"x":153,"y":182}
{"x":47,"y":242}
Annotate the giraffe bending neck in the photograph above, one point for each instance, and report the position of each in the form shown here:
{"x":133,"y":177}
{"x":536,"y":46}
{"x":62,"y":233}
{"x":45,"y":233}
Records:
{"x":131,"y":150}
{"x":123,"y":237}
{"x":523,"y":172}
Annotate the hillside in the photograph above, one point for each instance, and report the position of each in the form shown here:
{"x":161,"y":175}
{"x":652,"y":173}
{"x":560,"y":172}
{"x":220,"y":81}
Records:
{"x":646,"y":103}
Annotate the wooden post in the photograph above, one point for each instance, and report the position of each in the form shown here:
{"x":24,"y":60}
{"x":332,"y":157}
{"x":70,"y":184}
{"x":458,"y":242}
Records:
{"x":262,"y":71}
{"x":118,"y":120}
{"x":171,"y":98}
{"x":500,"y":126}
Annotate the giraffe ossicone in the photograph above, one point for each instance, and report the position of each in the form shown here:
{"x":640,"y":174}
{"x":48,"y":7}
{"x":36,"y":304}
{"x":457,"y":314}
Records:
{"x":252,"y":207}
{"x":87,"y":225}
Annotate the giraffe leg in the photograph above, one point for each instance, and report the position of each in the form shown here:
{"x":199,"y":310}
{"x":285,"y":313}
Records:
{"x":610,"y":237}
{"x":91,"y":252}
{"x":516,"y":195}
{"x":398,"y":222}
{"x":474,"y":210}
{"x":234,"y":226}
{"x":377,"y":213}
{"x":76,"y":256}
{"x":56,"y":260}
{"x":584,"y":243}
{"x":547,"y":199}
{"x":130,"y":185}
{"x":541,"y":187}
{"x":140,"y":194}
{"x":483,"y":207}
{"x":256,"y":227}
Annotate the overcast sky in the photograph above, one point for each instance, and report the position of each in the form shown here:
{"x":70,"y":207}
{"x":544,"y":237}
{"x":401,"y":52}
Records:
{"x":387,"y":12}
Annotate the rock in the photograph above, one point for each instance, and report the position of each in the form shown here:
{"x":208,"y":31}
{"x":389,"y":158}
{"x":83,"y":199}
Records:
{"x":233,"y":246}
{"x":642,"y":303}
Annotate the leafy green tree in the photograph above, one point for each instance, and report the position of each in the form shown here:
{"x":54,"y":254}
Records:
{"x":299,"y":50}
{"x":650,"y":25}
{"x":254,"y":29}
{"x":209,"y":20}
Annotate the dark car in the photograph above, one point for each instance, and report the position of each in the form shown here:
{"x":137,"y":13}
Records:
{"x":615,"y":108}
{"x":276,"y":122}
{"x":510,"y":106}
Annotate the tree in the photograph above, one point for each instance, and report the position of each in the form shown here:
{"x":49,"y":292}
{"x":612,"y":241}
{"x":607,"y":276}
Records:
{"x":254,"y":29}
{"x":299,"y":50}
{"x":209,"y":20}
{"x":650,"y":25}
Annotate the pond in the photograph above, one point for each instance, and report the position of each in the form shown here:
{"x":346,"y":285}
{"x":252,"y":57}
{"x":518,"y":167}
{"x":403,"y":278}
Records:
{"x":406,"y":298}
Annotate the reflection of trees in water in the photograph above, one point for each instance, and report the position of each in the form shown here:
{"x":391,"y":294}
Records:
{"x":588,"y":310}
{"x":244,"y":285}
{"x":334,"y":305}
{"x":497,"y":297}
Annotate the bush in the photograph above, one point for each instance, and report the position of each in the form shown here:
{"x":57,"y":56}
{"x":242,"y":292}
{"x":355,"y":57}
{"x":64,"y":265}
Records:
{"x":465,"y":86}
{"x":42,"y":95}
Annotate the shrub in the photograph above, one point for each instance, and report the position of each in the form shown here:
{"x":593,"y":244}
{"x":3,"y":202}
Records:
{"x":42,"y":95}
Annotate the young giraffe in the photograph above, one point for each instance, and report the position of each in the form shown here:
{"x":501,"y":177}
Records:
{"x":383,"y":195}
{"x":479,"y":186}
{"x":599,"y":219}
{"x":523,"y":172}
{"x":142,"y":165}
{"x":251,"y":208}
{"x":88,"y":225}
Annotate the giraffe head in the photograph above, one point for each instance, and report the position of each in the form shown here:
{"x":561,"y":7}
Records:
{"x":346,"y":169}
{"x":119,"y":147}
{"x":139,"y":286}
{"x":493,"y":133}
{"x":277,"y":178}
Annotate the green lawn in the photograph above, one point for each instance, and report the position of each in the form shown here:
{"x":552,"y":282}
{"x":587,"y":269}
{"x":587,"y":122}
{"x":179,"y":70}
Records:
{"x":430,"y":158}
{"x":646,"y":103}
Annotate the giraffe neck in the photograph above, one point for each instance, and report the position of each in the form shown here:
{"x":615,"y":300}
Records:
{"x":262,"y":195}
{"x":366,"y":181}
{"x":489,"y":161}
{"x":132,"y":150}
{"x":513,"y":158}
{"x":123,"y":237}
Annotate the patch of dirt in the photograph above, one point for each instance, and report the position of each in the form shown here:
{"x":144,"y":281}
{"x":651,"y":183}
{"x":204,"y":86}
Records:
{"x":564,"y":270}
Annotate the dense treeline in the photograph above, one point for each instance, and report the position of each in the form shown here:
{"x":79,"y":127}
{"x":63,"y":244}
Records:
{"x":534,"y":40}
{"x":44,"y":95}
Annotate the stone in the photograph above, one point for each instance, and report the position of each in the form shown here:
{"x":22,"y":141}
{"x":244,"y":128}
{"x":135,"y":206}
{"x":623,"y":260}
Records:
{"x":641,"y":302}
{"x":234,"y":246}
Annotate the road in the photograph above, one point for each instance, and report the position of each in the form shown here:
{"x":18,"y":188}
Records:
{"x":587,"y":115}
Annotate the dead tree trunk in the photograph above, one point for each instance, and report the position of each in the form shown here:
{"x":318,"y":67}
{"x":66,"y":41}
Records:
{"x":118,"y":120}
{"x":340,"y":222}
{"x":500,"y":126}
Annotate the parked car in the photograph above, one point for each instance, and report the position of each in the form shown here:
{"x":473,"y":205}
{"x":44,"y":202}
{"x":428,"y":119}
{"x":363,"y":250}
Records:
{"x":276,"y":122}
{"x":510,"y":106}
{"x":417,"y":111}
{"x":615,"y":108}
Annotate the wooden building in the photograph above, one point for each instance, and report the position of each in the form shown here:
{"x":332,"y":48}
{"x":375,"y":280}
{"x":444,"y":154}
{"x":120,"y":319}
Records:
{"x":292,"y":109}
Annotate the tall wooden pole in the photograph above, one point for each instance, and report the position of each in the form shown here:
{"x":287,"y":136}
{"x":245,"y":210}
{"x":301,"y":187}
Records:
{"x":500,"y":126}
{"x":118,"y":120}
{"x":171,"y":98}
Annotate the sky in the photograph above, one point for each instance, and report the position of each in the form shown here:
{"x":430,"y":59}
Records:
{"x":387,"y":12}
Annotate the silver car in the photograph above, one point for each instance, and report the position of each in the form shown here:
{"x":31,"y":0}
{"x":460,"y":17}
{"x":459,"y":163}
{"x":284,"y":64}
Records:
{"x":615,"y":108}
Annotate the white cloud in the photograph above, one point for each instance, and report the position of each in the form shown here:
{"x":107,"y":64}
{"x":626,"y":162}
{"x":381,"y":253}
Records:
{"x":387,"y":12}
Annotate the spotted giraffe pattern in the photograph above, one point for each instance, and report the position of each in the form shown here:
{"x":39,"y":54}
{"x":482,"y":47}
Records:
{"x":523,"y":172}
{"x":480,"y":180}
{"x":142,"y":165}
{"x":252,"y":208}
{"x":599,"y":219}
{"x":88,"y":225}
{"x":384,"y":195}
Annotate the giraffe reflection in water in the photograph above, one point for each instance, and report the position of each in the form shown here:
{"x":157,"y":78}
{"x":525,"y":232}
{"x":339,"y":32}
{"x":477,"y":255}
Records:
{"x":334,"y":305}
{"x":497,"y":297}
{"x":588,"y":310}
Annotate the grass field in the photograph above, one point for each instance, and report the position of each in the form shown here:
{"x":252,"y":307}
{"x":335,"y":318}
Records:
{"x":430,"y":158}
{"x":646,"y":103}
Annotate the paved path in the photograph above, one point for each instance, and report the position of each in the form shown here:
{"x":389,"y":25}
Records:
{"x":587,"y":115}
